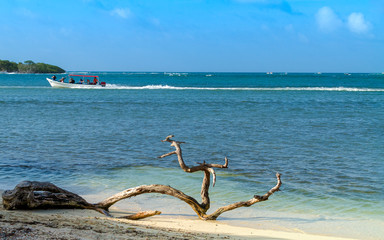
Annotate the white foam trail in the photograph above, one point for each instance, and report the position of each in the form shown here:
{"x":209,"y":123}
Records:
{"x":167,"y":87}
{"x":159,"y":87}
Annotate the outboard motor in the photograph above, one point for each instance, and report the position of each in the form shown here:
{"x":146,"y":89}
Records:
{"x":103,"y":84}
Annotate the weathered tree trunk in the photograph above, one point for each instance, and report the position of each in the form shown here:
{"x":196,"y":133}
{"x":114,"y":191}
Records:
{"x":32,"y":195}
{"x":29,"y":195}
{"x":43,"y":195}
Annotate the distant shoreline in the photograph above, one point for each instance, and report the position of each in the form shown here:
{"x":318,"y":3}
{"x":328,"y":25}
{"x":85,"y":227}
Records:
{"x":210,"y":74}
{"x":28,"y":67}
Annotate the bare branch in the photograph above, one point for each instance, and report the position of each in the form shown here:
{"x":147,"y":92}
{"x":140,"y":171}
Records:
{"x":167,"y":154}
{"x":212,"y":171}
{"x":102,"y":211}
{"x":273,"y":190}
{"x":141,"y":215}
{"x":168,"y":139}
{"x":155,"y":188}
{"x":201,"y":167}
{"x":248,"y":203}
{"x":218,"y":165}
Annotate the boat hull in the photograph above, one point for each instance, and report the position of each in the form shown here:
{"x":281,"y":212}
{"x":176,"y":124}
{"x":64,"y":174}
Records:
{"x":57,"y":84}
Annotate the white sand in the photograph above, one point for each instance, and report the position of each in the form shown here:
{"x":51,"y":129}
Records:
{"x":87,"y":224}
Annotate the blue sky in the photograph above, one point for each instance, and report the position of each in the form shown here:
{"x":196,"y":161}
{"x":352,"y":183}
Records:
{"x":196,"y":35}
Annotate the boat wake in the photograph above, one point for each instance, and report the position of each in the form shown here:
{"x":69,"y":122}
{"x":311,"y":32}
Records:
{"x":167,"y":87}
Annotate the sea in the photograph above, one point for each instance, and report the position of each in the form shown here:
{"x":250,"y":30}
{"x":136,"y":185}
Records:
{"x":324,"y":132}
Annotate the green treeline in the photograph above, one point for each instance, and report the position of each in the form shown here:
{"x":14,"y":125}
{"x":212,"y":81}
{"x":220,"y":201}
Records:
{"x":29,"y":67}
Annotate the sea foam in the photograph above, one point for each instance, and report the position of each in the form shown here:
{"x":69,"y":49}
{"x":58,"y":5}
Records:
{"x":160,"y":87}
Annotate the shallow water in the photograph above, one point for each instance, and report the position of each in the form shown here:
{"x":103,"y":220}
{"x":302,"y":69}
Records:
{"x":324,"y":133}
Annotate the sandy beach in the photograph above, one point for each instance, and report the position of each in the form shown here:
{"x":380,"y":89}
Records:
{"x":86,"y":224}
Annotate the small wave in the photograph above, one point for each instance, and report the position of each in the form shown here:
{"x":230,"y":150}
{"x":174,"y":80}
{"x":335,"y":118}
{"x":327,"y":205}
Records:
{"x":337,"y":89}
{"x":140,"y":73}
{"x":175,"y":74}
{"x":160,"y":87}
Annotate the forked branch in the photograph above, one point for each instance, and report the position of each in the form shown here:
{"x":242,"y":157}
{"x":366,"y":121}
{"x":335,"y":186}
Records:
{"x":201,"y":167}
{"x":248,"y":203}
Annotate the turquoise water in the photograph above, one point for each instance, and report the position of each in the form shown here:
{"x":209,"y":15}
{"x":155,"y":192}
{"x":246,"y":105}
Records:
{"x":324,"y":133}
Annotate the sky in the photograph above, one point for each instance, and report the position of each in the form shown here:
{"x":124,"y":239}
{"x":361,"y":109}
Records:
{"x":196,"y":35}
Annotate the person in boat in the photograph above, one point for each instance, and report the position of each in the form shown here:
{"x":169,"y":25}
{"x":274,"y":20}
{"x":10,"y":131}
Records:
{"x":95,"y":81}
{"x":54,"y":78}
{"x":62,"y":79}
{"x":81,"y":81}
{"x":71,"y":80}
{"x":88,"y":82}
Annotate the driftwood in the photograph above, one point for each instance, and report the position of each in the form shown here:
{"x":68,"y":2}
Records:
{"x":34,"y":195}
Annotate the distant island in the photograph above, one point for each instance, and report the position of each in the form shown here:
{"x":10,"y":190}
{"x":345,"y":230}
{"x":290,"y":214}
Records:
{"x":29,"y":67}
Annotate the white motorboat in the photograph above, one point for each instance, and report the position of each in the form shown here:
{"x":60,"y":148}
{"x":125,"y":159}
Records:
{"x":83,"y":82}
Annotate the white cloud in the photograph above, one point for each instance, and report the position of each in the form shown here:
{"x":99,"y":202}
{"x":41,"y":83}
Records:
{"x":121,"y":12}
{"x":357,"y":24}
{"x":327,"y":20}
